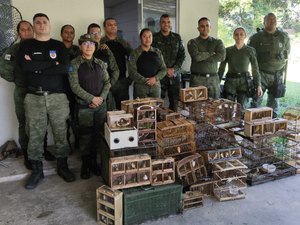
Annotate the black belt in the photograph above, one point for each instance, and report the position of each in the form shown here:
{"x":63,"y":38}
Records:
{"x":205,"y":74}
{"x":237,"y":75}
{"x":40,"y":93}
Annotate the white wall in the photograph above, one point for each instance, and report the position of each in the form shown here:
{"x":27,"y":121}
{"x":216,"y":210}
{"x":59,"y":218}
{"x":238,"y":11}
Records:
{"x":81,"y":13}
{"x":76,"y":12}
{"x":189,"y":13}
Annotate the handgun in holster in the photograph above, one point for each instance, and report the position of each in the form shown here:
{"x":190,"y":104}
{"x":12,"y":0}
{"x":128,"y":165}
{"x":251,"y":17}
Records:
{"x":251,"y":89}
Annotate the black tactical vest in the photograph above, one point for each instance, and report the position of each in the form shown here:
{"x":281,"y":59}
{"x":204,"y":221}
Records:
{"x":90,"y":77}
{"x":148,"y":64}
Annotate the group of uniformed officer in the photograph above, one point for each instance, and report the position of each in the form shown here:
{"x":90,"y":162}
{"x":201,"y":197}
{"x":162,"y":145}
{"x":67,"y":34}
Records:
{"x":97,"y":78}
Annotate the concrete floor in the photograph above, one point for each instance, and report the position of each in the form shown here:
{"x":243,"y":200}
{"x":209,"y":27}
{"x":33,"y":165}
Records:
{"x":55,"y":202}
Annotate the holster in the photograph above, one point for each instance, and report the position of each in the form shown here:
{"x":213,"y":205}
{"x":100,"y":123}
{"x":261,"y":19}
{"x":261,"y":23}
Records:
{"x":251,"y":89}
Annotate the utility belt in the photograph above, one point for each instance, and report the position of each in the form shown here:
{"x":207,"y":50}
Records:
{"x":205,"y":74}
{"x":39,"y":91}
{"x":237,"y":75}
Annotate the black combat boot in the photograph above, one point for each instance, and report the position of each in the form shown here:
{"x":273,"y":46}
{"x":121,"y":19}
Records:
{"x":85,"y":172}
{"x":37,"y":174}
{"x":94,"y":166}
{"x":63,"y":170}
{"x":27,"y":163}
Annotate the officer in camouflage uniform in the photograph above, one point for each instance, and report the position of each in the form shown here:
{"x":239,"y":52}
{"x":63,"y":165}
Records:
{"x":89,"y":80}
{"x":67,"y":33}
{"x":206,"y":52}
{"x":11,"y":72}
{"x":45,"y":62}
{"x":272,"y":47}
{"x":170,"y":44}
{"x":105,"y":54}
{"x":238,"y":58}
{"x":146,"y":67}
{"x":121,"y":50}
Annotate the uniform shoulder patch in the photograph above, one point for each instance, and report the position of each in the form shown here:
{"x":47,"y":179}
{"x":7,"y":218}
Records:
{"x":130,"y":58}
{"x":71,"y":69}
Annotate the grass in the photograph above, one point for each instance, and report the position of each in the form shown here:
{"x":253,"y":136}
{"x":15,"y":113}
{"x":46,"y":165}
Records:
{"x":291,"y":99}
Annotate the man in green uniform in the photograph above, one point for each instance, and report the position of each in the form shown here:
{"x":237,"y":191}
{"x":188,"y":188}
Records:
{"x":238,"y":80}
{"x":105,"y":54}
{"x":206,"y":52}
{"x":45,"y":62}
{"x":146,"y":67}
{"x":121,"y":50}
{"x":10,"y":71}
{"x":89,"y":80}
{"x":272,"y":47}
{"x":170,"y":45}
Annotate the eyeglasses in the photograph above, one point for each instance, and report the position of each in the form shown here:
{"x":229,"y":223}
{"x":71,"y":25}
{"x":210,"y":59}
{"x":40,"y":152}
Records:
{"x":86,"y":43}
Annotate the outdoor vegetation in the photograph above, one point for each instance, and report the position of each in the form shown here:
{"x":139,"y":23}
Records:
{"x":249,"y":14}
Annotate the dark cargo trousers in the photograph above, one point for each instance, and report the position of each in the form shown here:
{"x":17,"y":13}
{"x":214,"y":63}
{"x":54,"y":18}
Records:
{"x":38,"y":110}
{"x":91,"y":129}
{"x":267,"y":81}
{"x":19,"y":96}
{"x":172,"y":86}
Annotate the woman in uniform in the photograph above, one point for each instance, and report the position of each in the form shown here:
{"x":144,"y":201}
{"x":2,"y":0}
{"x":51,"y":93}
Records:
{"x":238,"y":80}
{"x":89,"y":81}
{"x":146,"y":67}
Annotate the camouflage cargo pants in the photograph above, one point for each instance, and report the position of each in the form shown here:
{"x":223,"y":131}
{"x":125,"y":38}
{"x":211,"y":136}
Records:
{"x":212,"y":83}
{"x":38,"y":109}
{"x":236,"y":89}
{"x":267,"y":80}
{"x":19,"y":96}
{"x":91,"y":129}
{"x":144,"y":91}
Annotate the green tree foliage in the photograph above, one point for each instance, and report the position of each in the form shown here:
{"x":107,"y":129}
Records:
{"x":250,"y":13}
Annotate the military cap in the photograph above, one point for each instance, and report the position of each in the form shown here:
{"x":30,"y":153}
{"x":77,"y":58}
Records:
{"x":87,"y":37}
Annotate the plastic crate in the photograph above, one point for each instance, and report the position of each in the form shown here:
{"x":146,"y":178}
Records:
{"x":142,"y":204}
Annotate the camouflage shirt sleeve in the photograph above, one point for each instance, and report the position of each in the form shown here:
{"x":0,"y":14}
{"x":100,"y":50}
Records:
{"x":113,"y":66}
{"x":132,"y":68}
{"x":219,"y":53}
{"x":74,"y":81}
{"x":163,"y":69}
{"x":180,"y":55}
{"x":196,"y":54}
{"x":254,"y":67}
{"x":8,"y":63}
{"x":126,"y":45}
{"x":222,"y":68}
